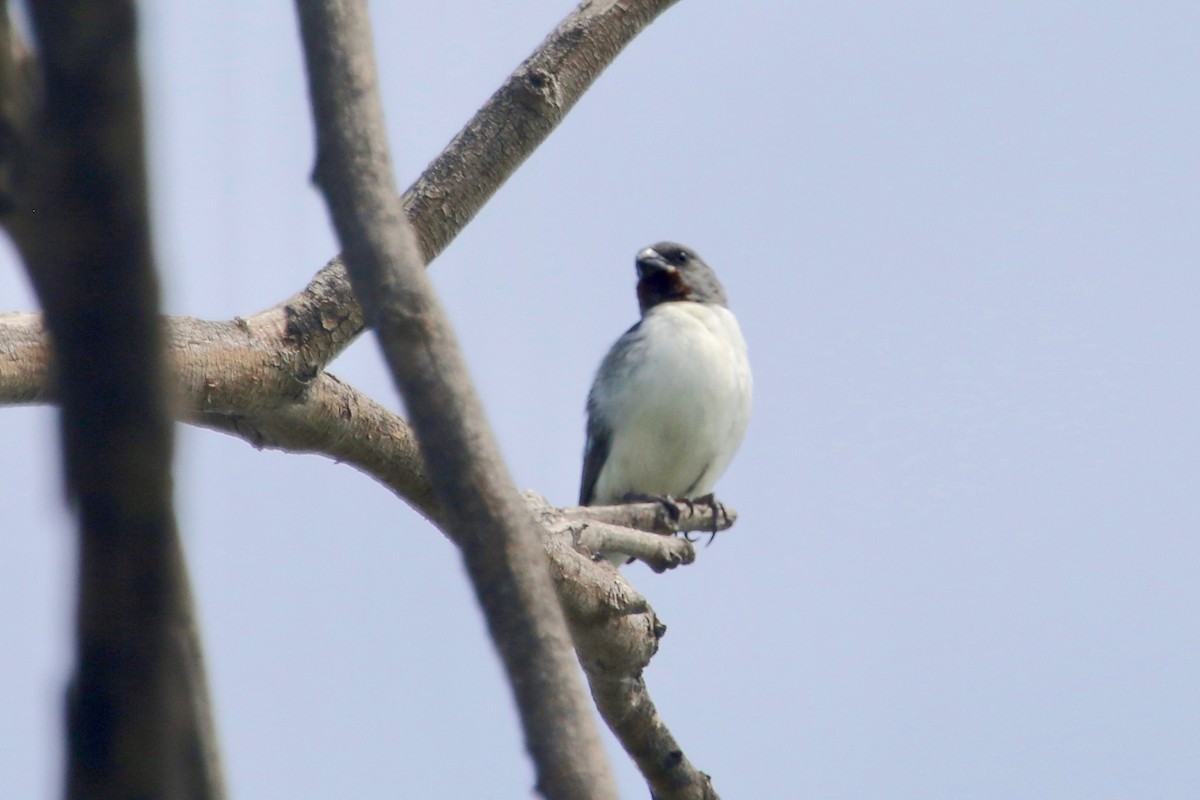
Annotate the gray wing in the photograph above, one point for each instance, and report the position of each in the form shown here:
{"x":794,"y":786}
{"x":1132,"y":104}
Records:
{"x":612,"y":373}
{"x":595,"y":453}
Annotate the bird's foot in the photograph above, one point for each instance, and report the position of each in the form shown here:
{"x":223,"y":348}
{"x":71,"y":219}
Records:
{"x":665,"y":500}
{"x":691,"y":504}
{"x":718,"y":512}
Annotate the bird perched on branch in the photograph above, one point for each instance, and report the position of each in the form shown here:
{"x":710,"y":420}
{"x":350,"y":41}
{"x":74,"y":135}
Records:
{"x":671,"y":400}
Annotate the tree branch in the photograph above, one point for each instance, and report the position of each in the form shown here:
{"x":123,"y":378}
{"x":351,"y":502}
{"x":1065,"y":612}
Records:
{"x":481,"y":509}
{"x":336,"y":420}
{"x":616,"y":635}
{"x":521,"y":114}
{"x":627,"y":708}
{"x":20,"y":98}
{"x":138,"y":717}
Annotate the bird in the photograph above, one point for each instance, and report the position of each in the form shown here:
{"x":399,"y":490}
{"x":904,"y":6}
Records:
{"x":670,"y":402}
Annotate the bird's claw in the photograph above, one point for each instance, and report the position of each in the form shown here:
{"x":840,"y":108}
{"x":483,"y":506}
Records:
{"x":718,"y":513}
{"x":670,"y":506}
{"x":666,"y":501}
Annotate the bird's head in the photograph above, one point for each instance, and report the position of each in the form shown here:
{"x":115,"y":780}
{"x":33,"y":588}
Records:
{"x":670,"y":272}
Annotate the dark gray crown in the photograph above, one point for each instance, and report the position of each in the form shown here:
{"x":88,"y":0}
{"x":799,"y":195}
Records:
{"x":670,"y":272}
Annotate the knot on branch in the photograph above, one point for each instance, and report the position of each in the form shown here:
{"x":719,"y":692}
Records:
{"x":317,"y":321}
{"x":540,"y":88}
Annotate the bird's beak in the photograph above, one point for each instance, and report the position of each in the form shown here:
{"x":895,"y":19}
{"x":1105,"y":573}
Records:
{"x":650,"y":263}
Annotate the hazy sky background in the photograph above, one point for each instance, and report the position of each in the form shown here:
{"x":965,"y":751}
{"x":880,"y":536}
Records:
{"x":962,"y":241}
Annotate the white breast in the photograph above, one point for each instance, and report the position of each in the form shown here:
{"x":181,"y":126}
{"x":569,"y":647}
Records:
{"x":679,"y":413}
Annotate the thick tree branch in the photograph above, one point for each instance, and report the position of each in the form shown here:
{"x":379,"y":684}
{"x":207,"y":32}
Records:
{"x":336,"y":420}
{"x":481,"y":509}
{"x":138,"y":716}
{"x":24,"y":359}
{"x":20,"y":98}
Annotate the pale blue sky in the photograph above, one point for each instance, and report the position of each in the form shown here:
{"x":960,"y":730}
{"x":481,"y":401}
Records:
{"x":962,"y":241}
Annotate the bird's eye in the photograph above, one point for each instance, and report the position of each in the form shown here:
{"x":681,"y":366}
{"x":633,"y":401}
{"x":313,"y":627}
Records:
{"x":679,"y":256}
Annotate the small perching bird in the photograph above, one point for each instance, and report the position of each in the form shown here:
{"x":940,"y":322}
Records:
{"x":671,"y":400}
